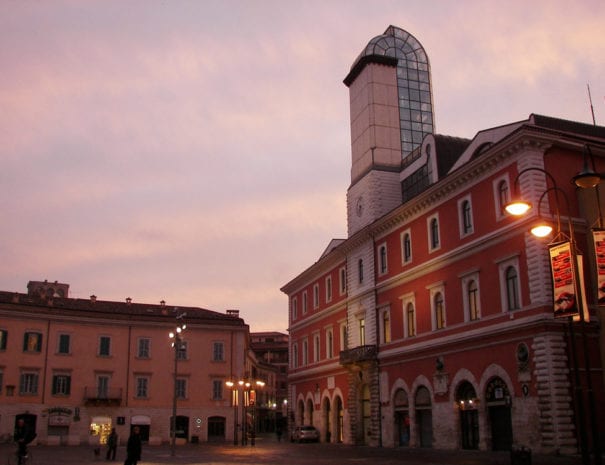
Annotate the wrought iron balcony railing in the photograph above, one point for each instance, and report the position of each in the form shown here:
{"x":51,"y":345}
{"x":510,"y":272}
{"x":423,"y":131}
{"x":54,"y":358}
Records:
{"x":358,"y":355}
{"x":97,"y":396}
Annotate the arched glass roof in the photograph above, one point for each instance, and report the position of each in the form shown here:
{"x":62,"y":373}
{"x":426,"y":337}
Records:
{"x":413,"y":83}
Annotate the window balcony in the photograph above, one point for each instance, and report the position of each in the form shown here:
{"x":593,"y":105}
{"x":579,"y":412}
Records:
{"x":358,"y":355}
{"x":102,"y":397}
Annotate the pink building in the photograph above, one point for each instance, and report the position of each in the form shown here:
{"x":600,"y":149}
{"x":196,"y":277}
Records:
{"x":432,"y":323}
{"x":75,"y":368}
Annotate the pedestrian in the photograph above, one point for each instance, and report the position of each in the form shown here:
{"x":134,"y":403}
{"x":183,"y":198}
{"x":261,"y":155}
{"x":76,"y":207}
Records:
{"x":279,"y":433}
{"x":23,"y":436}
{"x":112,"y":445}
{"x":133,"y":447}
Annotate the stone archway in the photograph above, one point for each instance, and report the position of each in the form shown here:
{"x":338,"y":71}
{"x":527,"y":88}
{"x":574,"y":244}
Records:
{"x":466,"y":400}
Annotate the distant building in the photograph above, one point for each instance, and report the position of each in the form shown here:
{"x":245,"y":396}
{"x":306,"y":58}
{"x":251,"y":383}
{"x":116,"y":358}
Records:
{"x":75,"y":368}
{"x":271,"y":350}
{"x":432,"y":323}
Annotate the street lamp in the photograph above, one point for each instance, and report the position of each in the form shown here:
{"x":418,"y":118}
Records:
{"x":585,"y":179}
{"x":177,"y":344}
{"x":248,"y":390}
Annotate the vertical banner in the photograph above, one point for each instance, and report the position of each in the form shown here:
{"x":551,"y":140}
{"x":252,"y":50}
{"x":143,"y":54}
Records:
{"x":598,"y":237}
{"x":563,"y":278}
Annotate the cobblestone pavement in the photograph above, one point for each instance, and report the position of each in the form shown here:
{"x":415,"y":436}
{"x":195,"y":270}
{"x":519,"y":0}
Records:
{"x":267,"y":451}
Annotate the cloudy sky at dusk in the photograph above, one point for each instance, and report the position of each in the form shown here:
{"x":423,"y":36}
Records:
{"x":198,"y":152}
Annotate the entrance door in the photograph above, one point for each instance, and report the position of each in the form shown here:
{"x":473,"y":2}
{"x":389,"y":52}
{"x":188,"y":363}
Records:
{"x":498,"y":398}
{"x":502,"y":430}
{"x":424,"y":417}
{"x":216,"y":429}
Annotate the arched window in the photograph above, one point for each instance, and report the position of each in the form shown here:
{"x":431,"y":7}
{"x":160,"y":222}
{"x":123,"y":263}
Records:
{"x":407,"y":248}
{"x":383,"y":259}
{"x":386,"y":327}
{"x":410,"y":315}
{"x":503,"y":195}
{"x":473,"y":303}
{"x":512,"y":288}
{"x":434,"y":233}
{"x":439,"y":309}
{"x":467,"y":221}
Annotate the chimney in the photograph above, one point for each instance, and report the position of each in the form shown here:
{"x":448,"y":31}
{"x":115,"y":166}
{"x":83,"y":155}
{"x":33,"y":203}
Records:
{"x":233,"y":313}
{"x":128,"y":300}
{"x":93,"y":298}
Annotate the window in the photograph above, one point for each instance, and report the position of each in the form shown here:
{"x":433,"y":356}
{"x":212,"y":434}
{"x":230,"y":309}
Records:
{"x":465,"y":216}
{"x":181,"y":350}
{"x":102,"y":387}
{"x":343,"y":280}
{"x":63,"y":344}
{"x":28,"y":384}
{"x":142,"y":386}
{"x":3,"y":338}
{"x":316,"y":348}
{"x":472,"y":292}
{"x":218,"y":352}
{"x":305,"y":352}
{"x":344,"y":337}
{"x":316,"y":295}
{"x":329,"y":344}
{"x":294,"y":308}
{"x":105,"y":346}
{"x":329,"y":289}
{"x":360,"y":270}
{"x":439,"y":311}
{"x":144,"y":345}
{"x":32,"y":342}
{"x":304,"y":302}
{"x":1,"y":380}
{"x":434,"y":240}
{"x":61,"y":385}
{"x":294,"y":355}
{"x":217,"y":389}
{"x":406,"y":247}
{"x":362,"y":332}
{"x":386,"y":327}
{"x":512,"y":289}
{"x":501,"y":196}
{"x":181,"y":388}
{"x":410,"y":319}
{"x":382,"y":259}
{"x":471,"y":296}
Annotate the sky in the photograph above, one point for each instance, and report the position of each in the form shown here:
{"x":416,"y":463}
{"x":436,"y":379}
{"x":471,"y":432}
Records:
{"x":198,"y":152}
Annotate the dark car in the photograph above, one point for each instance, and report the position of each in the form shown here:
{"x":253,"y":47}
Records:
{"x":306,"y":433}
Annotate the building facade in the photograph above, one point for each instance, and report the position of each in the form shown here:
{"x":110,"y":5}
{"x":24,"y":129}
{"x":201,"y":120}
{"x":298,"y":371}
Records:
{"x":76,"y":368}
{"x":432,"y":323}
{"x":271,"y":351}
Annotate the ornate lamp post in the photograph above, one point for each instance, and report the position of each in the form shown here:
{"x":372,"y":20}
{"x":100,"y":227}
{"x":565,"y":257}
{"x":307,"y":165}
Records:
{"x":177,"y":343}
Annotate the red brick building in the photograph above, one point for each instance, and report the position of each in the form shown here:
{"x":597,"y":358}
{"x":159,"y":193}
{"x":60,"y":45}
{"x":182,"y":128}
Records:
{"x":431,"y":324}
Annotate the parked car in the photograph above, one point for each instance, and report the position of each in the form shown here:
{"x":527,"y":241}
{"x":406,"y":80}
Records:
{"x":306,"y":433}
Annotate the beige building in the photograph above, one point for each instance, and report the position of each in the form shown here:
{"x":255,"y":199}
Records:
{"x":75,"y":368}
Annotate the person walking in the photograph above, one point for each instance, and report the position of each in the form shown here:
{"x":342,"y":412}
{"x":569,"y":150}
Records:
{"x":133,"y":447}
{"x":112,"y":445}
{"x":23,"y":436}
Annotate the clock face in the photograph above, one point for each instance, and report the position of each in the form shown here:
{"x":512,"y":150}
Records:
{"x":359,"y":206}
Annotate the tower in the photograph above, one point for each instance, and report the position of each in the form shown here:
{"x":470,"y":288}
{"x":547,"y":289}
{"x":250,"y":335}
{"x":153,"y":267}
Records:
{"x":391,"y":112}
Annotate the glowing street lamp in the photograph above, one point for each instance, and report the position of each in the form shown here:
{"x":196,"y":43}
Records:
{"x":177,"y":344}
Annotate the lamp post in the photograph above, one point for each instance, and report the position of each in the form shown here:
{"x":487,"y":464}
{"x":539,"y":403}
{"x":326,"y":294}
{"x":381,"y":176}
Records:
{"x":177,"y":343}
{"x":585,"y":179}
{"x":248,"y":390}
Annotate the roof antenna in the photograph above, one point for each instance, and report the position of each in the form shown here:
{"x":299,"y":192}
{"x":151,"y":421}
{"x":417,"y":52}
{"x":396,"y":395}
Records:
{"x":591,"y":107}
